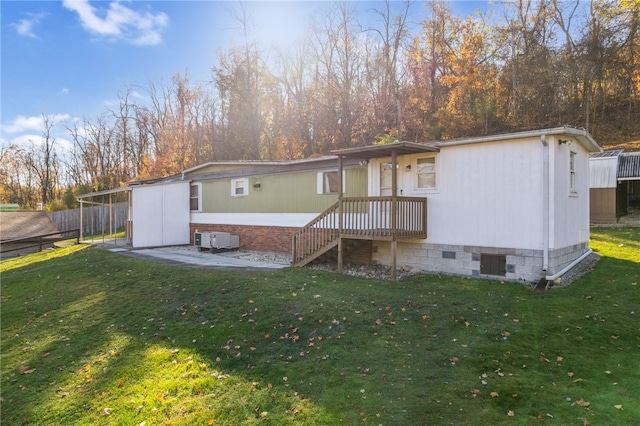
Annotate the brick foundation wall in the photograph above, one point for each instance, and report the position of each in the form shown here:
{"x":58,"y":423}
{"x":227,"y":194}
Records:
{"x":255,"y":238}
{"x":277,"y":240}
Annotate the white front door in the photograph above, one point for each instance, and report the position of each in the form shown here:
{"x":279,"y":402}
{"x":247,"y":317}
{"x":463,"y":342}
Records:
{"x":385,"y":178}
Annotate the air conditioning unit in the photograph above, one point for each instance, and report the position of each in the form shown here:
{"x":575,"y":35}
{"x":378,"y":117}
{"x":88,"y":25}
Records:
{"x":216,"y":241}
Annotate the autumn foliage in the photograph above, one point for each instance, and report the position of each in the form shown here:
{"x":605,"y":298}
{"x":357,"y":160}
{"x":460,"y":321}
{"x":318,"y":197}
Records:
{"x":359,"y":79}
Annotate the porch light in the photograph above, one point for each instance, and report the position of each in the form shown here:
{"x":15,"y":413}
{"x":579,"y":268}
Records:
{"x":408,"y":168}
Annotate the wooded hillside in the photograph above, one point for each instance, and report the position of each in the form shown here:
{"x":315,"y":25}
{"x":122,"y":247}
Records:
{"x":530,"y":64}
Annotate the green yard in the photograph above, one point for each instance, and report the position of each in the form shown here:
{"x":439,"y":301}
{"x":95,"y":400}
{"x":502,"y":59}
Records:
{"x":91,"y":337}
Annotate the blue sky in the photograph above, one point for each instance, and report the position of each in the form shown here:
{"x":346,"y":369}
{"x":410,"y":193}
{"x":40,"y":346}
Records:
{"x":69,"y":59}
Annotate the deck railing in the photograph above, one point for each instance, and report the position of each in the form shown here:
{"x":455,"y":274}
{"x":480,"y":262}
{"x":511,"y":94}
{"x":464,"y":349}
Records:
{"x":37,"y":242}
{"x":371,"y":218}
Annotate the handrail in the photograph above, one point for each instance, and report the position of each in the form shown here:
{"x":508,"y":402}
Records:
{"x":362,"y":218}
{"x":317,"y":234}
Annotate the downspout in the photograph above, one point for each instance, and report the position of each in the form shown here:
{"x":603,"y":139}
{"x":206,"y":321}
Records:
{"x":568,"y":267}
{"x":545,"y":203}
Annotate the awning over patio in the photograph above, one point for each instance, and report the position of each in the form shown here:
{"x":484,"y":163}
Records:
{"x":386,"y":150}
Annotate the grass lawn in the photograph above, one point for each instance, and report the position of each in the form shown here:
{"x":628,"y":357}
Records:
{"x":90,"y":337}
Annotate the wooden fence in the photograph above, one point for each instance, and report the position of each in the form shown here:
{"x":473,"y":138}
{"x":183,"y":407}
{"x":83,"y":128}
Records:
{"x":96,"y":219}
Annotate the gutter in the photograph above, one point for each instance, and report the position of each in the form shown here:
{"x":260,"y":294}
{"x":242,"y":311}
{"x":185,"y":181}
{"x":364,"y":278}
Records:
{"x":581,"y":136}
{"x":545,"y":203}
{"x":568,"y":267}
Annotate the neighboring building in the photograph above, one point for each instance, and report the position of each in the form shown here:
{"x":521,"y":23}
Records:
{"x":24,"y":232}
{"x":614,"y":182}
{"x":513,"y":206}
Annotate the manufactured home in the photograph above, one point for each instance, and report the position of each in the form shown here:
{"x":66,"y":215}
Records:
{"x":510,"y":206}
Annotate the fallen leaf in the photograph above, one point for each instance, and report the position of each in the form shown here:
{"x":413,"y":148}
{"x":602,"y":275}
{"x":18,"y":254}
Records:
{"x":494,"y":394}
{"x":107,"y":411}
{"x":559,"y":359}
{"x":26,"y":370}
{"x":581,"y":402}
{"x":570,"y":373}
{"x":619,"y":407}
{"x":510,"y":413}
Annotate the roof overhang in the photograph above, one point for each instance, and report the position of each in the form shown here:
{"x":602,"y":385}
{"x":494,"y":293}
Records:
{"x":105,"y":192}
{"x":580,"y":135}
{"x":386,"y":150}
{"x":629,"y":166}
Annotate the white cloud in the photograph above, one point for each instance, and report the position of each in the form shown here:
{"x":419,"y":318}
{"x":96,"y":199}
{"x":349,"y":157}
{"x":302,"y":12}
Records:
{"x":25,"y":26}
{"x":64,"y":91}
{"x":120,"y":22}
{"x":22,"y":124}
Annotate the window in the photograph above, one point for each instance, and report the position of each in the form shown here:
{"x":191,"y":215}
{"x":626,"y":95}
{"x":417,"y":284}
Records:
{"x":328,"y":182}
{"x":572,"y":172}
{"x":239,"y":187}
{"x":194,"y":197}
{"x":426,"y":173}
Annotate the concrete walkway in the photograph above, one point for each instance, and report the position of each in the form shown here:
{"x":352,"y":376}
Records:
{"x":190,"y":256}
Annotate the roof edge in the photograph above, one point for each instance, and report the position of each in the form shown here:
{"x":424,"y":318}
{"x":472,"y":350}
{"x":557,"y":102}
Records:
{"x":581,"y":135}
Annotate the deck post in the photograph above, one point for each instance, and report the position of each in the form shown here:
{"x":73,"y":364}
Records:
{"x":394,"y":211}
{"x":80,"y":236}
{"x":340,"y":224}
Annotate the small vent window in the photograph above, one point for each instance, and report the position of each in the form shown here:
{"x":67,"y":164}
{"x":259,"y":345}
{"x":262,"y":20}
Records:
{"x":239,"y":187}
{"x":572,"y":172}
{"x":493,"y":264}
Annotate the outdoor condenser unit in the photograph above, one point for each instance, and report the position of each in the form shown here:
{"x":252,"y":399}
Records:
{"x":216,"y":241}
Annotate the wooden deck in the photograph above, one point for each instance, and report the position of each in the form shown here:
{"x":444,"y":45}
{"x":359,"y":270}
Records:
{"x":368,"y":218}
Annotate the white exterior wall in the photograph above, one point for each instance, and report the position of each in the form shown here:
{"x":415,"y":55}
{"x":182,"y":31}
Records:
{"x":297,"y":220}
{"x":491,"y":196}
{"x":160,"y":215}
{"x":487,"y":194}
{"x":603,"y":172}
{"x":569,"y":220}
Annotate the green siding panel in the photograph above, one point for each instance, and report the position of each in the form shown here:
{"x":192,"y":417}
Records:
{"x":279,"y":193}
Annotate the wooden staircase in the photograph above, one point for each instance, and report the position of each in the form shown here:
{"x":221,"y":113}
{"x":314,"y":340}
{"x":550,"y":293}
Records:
{"x":316,"y":238}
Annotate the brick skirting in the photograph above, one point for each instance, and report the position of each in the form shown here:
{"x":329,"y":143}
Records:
{"x":254,"y":238}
